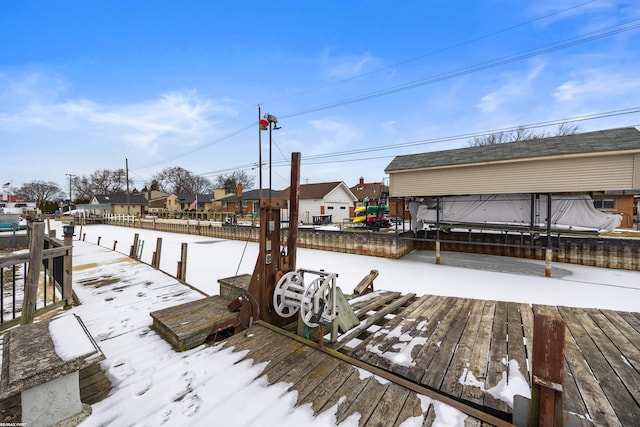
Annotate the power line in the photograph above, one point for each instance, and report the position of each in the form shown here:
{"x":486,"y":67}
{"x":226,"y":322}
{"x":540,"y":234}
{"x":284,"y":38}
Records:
{"x":469,"y":70}
{"x":309,"y":160}
{"x":445,"y":49}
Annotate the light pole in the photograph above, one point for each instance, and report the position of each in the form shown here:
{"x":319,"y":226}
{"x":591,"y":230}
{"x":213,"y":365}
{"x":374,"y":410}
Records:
{"x":273,"y":125}
{"x":70,"y":176}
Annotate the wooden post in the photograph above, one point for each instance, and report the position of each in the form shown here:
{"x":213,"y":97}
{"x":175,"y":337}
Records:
{"x":134,"y":247}
{"x":99,"y":237}
{"x":36,"y":246}
{"x":438,"y":252}
{"x":157,"y":253}
{"x":67,"y":274}
{"x":182,"y":266}
{"x":115,"y":243}
{"x":52,"y":234}
{"x":547,"y":372}
{"x":548,"y":254}
{"x":294,"y":198}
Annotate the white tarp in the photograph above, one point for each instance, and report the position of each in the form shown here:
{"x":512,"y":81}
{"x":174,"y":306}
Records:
{"x":568,"y":212}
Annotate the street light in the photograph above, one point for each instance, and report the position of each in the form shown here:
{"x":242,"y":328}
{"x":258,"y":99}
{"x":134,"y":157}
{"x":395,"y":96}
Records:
{"x":270,"y":121}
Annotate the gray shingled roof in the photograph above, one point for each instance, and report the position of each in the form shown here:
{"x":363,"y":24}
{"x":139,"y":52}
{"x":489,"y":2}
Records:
{"x":121,"y":199}
{"x":249,"y":195}
{"x":588,"y":142}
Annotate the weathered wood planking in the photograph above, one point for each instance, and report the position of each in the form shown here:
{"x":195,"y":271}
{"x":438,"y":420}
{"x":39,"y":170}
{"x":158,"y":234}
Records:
{"x":479,"y":338}
{"x":463,"y":352}
{"x":595,"y":349}
{"x":497,"y":354}
{"x":188,"y":325}
{"x":478,"y":364}
{"x":591,"y":392}
{"x":328,"y":383}
{"x":444,"y":351}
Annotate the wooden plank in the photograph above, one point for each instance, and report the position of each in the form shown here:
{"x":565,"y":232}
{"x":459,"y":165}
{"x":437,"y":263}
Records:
{"x":463,"y":351}
{"x":254,"y":337}
{"x":478,"y":364}
{"x":276,"y":370}
{"x":188,"y":325}
{"x":412,"y":408}
{"x":404,"y":321}
{"x":598,"y":407}
{"x":366,"y":282}
{"x":344,"y":339}
{"x":426,"y":331}
{"x":471,"y":411}
{"x":94,"y":384}
{"x":440,"y":328}
{"x":605,"y":362}
{"x":633,"y":319}
{"x":389,"y":407}
{"x":305,"y":368}
{"x":526,"y":313}
{"x":349,"y":389}
{"x":346,"y":319}
{"x":516,"y":344}
{"x":434,"y":374}
{"x":374,"y":304}
{"x":323,"y":384}
{"x":629,"y":353}
{"x":365,"y":402}
{"x":497,"y":353}
{"x":621,"y":324}
{"x":271,"y":348}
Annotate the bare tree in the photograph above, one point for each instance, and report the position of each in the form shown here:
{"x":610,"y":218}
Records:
{"x":101,"y":181}
{"x":230,"y":181}
{"x":520,"y":134}
{"x":177,"y":180}
{"x":40,"y":191}
{"x":567,"y":129}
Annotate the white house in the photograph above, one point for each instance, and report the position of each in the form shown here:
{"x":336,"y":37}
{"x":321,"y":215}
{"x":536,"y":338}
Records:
{"x":324,"y":202}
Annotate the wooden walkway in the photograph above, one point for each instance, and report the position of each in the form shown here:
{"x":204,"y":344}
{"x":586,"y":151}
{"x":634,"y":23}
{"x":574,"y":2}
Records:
{"x":327,"y":382}
{"x":463,"y":348}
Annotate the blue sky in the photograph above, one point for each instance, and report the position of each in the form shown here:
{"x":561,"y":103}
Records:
{"x":86,"y":85}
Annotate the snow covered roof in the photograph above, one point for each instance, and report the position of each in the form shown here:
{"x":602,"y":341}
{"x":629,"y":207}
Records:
{"x":602,"y":141}
{"x":121,"y":199}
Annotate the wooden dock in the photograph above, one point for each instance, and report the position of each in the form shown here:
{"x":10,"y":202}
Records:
{"x":329,"y":381}
{"x":462,"y":348}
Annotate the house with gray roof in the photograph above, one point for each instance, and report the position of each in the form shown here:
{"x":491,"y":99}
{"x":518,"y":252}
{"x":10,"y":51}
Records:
{"x":604,"y":164}
{"x":121,"y":204}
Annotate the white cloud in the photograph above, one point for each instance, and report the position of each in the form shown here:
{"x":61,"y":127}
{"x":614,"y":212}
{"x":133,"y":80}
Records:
{"x":596,"y":83}
{"x":331,"y":135}
{"x":515,"y":86}
{"x":175,"y":118}
{"x":347,"y":67}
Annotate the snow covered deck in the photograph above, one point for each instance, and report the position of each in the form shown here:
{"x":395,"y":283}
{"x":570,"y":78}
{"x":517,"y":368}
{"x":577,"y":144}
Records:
{"x":477,"y":351}
{"x":464,"y":348}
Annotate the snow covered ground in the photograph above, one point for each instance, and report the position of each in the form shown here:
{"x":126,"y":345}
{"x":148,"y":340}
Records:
{"x":460,"y":275}
{"x":154,"y":385}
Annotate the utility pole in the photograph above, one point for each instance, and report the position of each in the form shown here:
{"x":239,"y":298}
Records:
{"x":127,"y":178}
{"x":70,"y":177}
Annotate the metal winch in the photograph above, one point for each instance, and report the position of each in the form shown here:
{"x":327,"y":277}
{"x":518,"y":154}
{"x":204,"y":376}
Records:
{"x":316,"y":301}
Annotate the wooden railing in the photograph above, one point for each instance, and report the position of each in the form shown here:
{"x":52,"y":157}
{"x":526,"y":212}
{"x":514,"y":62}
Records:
{"x":35,"y":281}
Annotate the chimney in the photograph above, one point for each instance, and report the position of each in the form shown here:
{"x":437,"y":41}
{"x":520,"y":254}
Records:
{"x":239,"y":194}
{"x":361,"y":180}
